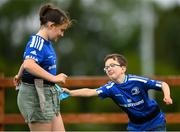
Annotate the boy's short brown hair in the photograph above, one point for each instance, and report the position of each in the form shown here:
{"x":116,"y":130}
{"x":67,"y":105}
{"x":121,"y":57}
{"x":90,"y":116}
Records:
{"x":118,"y":57}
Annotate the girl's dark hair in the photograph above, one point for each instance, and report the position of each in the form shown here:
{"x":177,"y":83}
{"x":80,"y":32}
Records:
{"x":49,"y":13}
{"x":118,"y":57}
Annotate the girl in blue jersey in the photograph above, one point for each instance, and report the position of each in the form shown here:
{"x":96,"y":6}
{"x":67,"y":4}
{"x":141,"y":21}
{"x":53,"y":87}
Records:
{"x":37,"y":98}
{"x":130,"y":92}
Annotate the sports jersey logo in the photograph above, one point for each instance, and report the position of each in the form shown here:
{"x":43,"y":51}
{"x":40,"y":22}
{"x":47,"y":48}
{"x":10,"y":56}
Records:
{"x":52,"y":67}
{"x":129,"y":100}
{"x":135,"y":91}
{"x":132,"y":104}
{"x":33,"y":52}
{"x":31,"y":57}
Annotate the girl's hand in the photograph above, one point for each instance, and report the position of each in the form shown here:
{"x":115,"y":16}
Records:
{"x":60,"y":78}
{"x":16,"y":80}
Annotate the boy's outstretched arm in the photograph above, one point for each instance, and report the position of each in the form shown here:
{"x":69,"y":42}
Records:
{"x":166,"y":90}
{"x":84,"y":92}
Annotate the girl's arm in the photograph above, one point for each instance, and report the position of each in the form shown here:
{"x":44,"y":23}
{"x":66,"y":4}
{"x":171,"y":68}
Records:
{"x":32,"y":67}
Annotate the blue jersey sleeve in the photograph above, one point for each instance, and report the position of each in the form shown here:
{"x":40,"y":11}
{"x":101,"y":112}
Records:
{"x":154,"y":84}
{"x":34,"y":49}
{"x":104,"y":91}
{"x":146,"y":82}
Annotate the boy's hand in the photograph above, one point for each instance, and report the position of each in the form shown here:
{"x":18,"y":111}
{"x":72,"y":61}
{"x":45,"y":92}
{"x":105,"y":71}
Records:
{"x":66,"y":90}
{"x":168,"y":100}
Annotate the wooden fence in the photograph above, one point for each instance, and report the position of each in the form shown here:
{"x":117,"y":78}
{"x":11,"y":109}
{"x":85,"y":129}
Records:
{"x":78,"y":82}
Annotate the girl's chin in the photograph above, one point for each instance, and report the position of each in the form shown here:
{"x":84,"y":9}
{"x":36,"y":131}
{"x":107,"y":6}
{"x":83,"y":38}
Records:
{"x":56,"y":39}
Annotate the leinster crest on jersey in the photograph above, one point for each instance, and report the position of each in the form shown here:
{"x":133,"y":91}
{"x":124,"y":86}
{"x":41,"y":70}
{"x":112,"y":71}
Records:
{"x":135,"y":91}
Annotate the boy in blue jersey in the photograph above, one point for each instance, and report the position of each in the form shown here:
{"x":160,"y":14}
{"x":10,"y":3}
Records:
{"x":37,"y":97}
{"x":130,"y":92}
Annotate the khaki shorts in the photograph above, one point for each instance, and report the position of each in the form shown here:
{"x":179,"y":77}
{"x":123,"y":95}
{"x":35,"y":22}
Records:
{"x":29,"y":106}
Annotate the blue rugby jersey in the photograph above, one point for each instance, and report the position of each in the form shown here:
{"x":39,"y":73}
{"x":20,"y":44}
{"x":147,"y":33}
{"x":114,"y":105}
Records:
{"x":42,"y":52}
{"x":132,"y":96}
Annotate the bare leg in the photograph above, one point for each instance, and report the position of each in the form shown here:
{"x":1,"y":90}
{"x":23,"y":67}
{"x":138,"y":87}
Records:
{"x":57,"y":123}
{"x":40,"y":126}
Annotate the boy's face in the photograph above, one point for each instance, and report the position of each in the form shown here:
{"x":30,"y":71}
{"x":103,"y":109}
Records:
{"x":113,"y":69}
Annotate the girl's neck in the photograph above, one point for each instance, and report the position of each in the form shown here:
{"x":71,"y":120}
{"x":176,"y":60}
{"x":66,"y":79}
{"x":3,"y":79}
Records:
{"x":43,"y":33}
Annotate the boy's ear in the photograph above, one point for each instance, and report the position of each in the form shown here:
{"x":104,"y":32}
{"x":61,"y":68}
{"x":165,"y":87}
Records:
{"x":124,"y":69}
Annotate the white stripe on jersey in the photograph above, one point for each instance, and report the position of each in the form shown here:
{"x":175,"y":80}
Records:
{"x":41,"y":45}
{"x":33,"y":41}
{"x":110,"y":85}
{"x":37,"y":43}
{"x":99,"y":91}
{"x":140,"y":77}
{"x":158,"y":85}
{"x":137,"y":79}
